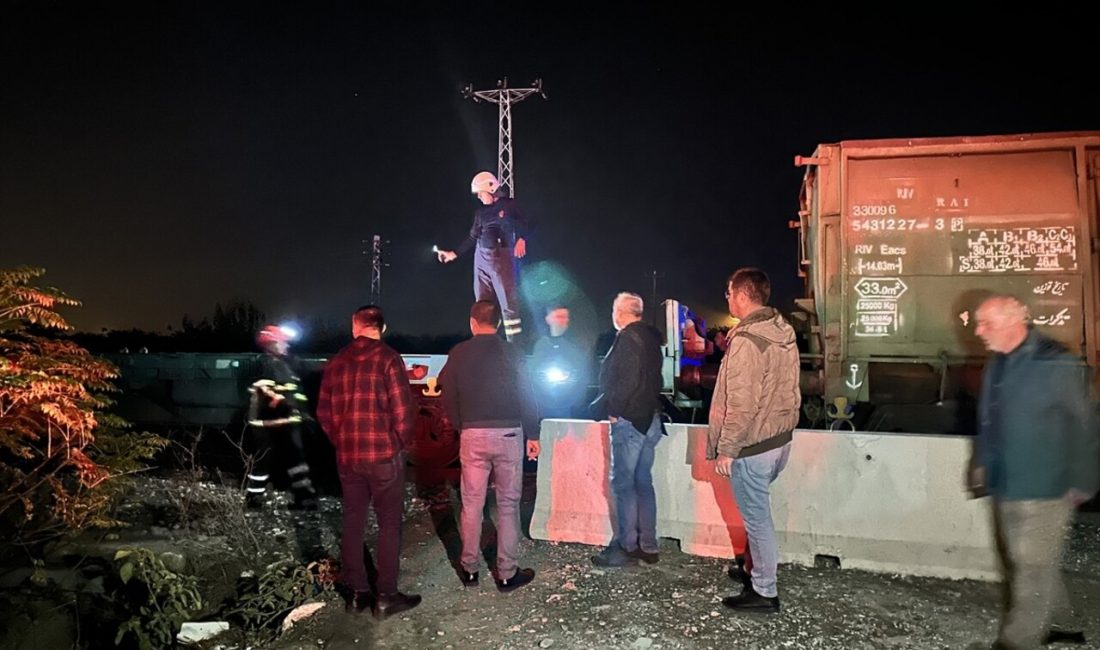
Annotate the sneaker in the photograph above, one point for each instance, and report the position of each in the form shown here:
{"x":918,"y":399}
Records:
{"x":469,"y":580}
{"x":648,"y":558}
{"x":614,"y":557}
{"x":390,"y":604}
{"x":518,"y":579}
{"x":254,"y":500}
{"x":750,"y":601}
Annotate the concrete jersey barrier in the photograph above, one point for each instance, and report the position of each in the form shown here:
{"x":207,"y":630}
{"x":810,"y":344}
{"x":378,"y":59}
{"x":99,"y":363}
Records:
{"x":876,"y":501}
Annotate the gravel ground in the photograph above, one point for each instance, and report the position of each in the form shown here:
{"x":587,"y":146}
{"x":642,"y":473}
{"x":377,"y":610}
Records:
{"x":571,"y":604}
{"x":673,"y":604}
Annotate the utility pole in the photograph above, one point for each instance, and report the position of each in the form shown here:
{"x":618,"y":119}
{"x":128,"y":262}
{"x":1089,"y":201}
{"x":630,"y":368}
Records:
{"x":654,"y":274}
{"x":504,"y":97}
{"x":376,"y":265}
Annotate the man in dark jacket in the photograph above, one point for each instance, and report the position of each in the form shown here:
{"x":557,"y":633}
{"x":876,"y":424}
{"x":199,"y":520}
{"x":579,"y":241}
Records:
{"x":488,"y":397}
{"x":1037,"y":455}
{"x":498,"y":236}
{"x":560,"y":366}
{"x":368,"y":411}
{"x":630,"y":395}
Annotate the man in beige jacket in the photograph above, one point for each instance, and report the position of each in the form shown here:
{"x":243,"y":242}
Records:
{"x":752,"y":419}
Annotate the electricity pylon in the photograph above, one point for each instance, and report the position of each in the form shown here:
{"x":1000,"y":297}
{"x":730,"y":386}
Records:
{"x":504,"y":97}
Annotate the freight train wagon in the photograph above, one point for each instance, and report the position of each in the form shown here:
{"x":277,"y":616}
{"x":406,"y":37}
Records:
{"x":900,"y":240}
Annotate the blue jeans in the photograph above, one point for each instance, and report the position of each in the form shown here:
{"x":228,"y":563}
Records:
{"x":752,"y":478}
{"x":497,"y":453}
{"x":632,"y":454}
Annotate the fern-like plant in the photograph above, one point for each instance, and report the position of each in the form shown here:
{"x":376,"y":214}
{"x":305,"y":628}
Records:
{"x":62,"y":458}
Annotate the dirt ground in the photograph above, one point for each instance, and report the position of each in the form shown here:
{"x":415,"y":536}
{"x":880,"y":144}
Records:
{"x":570,"y":605}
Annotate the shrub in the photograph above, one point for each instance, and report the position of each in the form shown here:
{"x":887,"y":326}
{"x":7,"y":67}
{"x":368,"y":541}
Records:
{"x":63,"y":460}
{"x":159,"y":600}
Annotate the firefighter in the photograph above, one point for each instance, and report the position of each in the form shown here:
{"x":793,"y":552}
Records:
{"x":275,"y":413}
{"x":499,"y":234}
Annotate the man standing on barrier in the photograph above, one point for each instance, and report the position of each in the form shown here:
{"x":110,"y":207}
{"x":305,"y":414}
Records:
{"x":276,"y":407}
{"x":630,"y":396}
{"x":752,"y":418}
{"x":499,"y":233}
{"x":1037,"y":455}
{"x":489,"y":399}
{"x":368,"y":411}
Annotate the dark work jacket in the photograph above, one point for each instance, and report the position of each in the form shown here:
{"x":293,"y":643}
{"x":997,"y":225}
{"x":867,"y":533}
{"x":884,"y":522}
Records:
{"x":630,"y":377}
{"x":498,"y":225}
{"x":279,"y":372}
{"x":1037,"y":435}
{"x":485,"y":386}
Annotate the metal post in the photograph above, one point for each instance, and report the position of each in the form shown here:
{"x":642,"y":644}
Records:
{"x":504,"y":146}
{"x":653,"y":296}
{"x":376,"y":270}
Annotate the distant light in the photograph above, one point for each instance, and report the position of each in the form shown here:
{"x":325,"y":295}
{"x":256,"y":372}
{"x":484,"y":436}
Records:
{"x":291,"y":331}
{"x":435,"y":249}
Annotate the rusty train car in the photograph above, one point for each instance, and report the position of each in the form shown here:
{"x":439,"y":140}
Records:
{"x":900,"y":240}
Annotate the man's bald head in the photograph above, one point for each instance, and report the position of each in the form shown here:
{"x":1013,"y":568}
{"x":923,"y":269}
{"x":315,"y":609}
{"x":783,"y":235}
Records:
{"x":1002,"y":323}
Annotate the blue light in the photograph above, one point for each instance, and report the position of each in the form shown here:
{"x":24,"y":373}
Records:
{"x":291,"y":331}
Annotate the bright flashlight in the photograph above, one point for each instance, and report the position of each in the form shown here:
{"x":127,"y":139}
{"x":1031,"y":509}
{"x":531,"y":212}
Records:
{"x":435,"y":249}
{"x":291,"y":331}
{"x":556,"y":375}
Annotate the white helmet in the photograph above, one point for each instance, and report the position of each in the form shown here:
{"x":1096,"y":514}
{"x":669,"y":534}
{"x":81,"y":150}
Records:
{"x":484,"y":182}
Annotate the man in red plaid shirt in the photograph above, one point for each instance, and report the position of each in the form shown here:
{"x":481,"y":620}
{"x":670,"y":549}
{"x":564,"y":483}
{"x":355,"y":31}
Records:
{"x":368,"y":410}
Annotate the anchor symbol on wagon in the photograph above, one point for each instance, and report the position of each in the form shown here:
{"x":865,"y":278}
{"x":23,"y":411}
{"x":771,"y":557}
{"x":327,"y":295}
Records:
{"x":853,"y":383}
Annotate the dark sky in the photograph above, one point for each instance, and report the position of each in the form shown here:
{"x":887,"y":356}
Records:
{"x":160,"y":157}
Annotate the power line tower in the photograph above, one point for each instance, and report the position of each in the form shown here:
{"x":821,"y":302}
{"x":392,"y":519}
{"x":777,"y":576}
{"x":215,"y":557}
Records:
{"x":376,"y":266}
{"x":504,"y":97}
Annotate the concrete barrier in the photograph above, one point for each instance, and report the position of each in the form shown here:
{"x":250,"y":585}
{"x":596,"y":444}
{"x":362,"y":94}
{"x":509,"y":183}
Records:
{"x":875,"y":501}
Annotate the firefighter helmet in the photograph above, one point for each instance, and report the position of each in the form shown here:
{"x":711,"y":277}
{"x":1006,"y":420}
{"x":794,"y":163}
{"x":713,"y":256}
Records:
{"x":271,"y":335}
{"x":484,"y":182}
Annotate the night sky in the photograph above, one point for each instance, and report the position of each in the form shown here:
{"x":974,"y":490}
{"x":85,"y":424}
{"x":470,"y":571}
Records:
{"x":158,"y":158}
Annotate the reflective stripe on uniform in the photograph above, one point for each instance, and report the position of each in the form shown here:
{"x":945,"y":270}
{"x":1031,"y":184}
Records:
{"x":256,"y":477}
{"x":304,"y":483}
{"x":298,"y":469}
{"x":259,"y":490}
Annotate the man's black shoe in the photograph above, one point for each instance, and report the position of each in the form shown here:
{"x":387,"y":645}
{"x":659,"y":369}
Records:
{"x":468,"y":579}
{"x":750,"y":601}
{"x":1064,"y":636}
{"x":737,"y":574}
{"x":390,"y":604}
{"x":521,"y":577}
{"x":648,"y":558}
{"x":359,"y":601}
{"x":614,"y":557}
